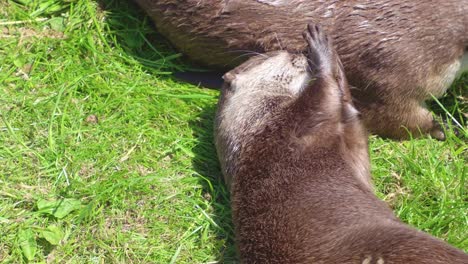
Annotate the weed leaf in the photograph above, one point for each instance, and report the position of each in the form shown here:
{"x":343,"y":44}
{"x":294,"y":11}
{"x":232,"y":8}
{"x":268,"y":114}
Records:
{"x":58,"y":208}
{"x":57,"y":24}
{"x":53,"y":234}
{"x":27,"y":243}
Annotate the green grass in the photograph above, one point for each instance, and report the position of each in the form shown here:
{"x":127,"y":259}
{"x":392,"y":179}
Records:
{"x":106,"y":159}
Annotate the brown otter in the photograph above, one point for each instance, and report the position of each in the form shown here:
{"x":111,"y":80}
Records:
{"x":396,"y":54}
{"x":291,"y":143}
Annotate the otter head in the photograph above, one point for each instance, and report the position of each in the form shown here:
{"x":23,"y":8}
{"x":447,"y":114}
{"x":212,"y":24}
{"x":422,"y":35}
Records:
{"x":250,"y":93}
{"x":274,"y":72}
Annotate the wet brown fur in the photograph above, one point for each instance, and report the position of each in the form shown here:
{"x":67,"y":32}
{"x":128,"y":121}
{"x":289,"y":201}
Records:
{"x":298,"y":194}
{"x":396,"y":53}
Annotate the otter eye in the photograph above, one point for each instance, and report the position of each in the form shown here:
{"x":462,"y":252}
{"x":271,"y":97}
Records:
{"x":227,"y":87}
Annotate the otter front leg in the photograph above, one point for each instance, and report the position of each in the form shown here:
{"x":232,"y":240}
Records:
{"x":401,"y":119}
{"x":323,"y":95}
{"x":326,"y":101}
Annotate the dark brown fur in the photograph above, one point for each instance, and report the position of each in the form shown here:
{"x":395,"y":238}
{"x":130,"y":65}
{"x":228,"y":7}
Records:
{"x":396,"y":53}
{"x":299,"y":194}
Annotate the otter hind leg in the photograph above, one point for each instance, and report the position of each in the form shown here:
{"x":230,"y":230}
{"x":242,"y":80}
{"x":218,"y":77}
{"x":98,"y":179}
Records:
{"x":401,"y":120}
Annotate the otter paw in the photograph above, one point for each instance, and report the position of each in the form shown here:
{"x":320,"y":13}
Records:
{"x":320,"y":51}
{"x":439,"y":129}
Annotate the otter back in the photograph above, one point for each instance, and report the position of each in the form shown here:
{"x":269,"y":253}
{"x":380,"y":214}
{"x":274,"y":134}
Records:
{"x":396,"y":54}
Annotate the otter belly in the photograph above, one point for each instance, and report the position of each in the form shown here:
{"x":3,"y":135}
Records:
{"x":464,"y":64}
{"x":438,"y":84}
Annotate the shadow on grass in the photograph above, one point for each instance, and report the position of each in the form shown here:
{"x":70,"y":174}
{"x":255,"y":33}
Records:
{"x":454,"y":102}
{"x":206,"y":164}
{"x":133,"y":31}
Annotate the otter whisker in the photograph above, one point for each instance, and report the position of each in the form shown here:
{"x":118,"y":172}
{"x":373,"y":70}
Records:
{"x":249,"y":54}
{"x":279,"y":42}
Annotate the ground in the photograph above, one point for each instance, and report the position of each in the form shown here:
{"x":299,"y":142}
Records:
{"x":105,"y":158}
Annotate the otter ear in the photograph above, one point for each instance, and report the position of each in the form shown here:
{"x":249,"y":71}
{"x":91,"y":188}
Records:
{"x":229,"y":77}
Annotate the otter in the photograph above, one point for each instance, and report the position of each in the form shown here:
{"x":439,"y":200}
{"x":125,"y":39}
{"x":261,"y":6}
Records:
{"x":397,"y":54}
{"x":295,"y":154}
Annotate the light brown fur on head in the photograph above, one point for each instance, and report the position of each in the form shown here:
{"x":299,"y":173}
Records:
{"x":295,"y":155}
{"x":396,"y":54}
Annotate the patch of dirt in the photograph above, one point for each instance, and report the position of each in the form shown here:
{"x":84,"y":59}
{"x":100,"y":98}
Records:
{"x":26,"y":32}
{"x":86,"y":171}
{"x":92,"y":119}
{"x":399,"y":190}
{"x":142,"y":170}
{"x":131,"y":222}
